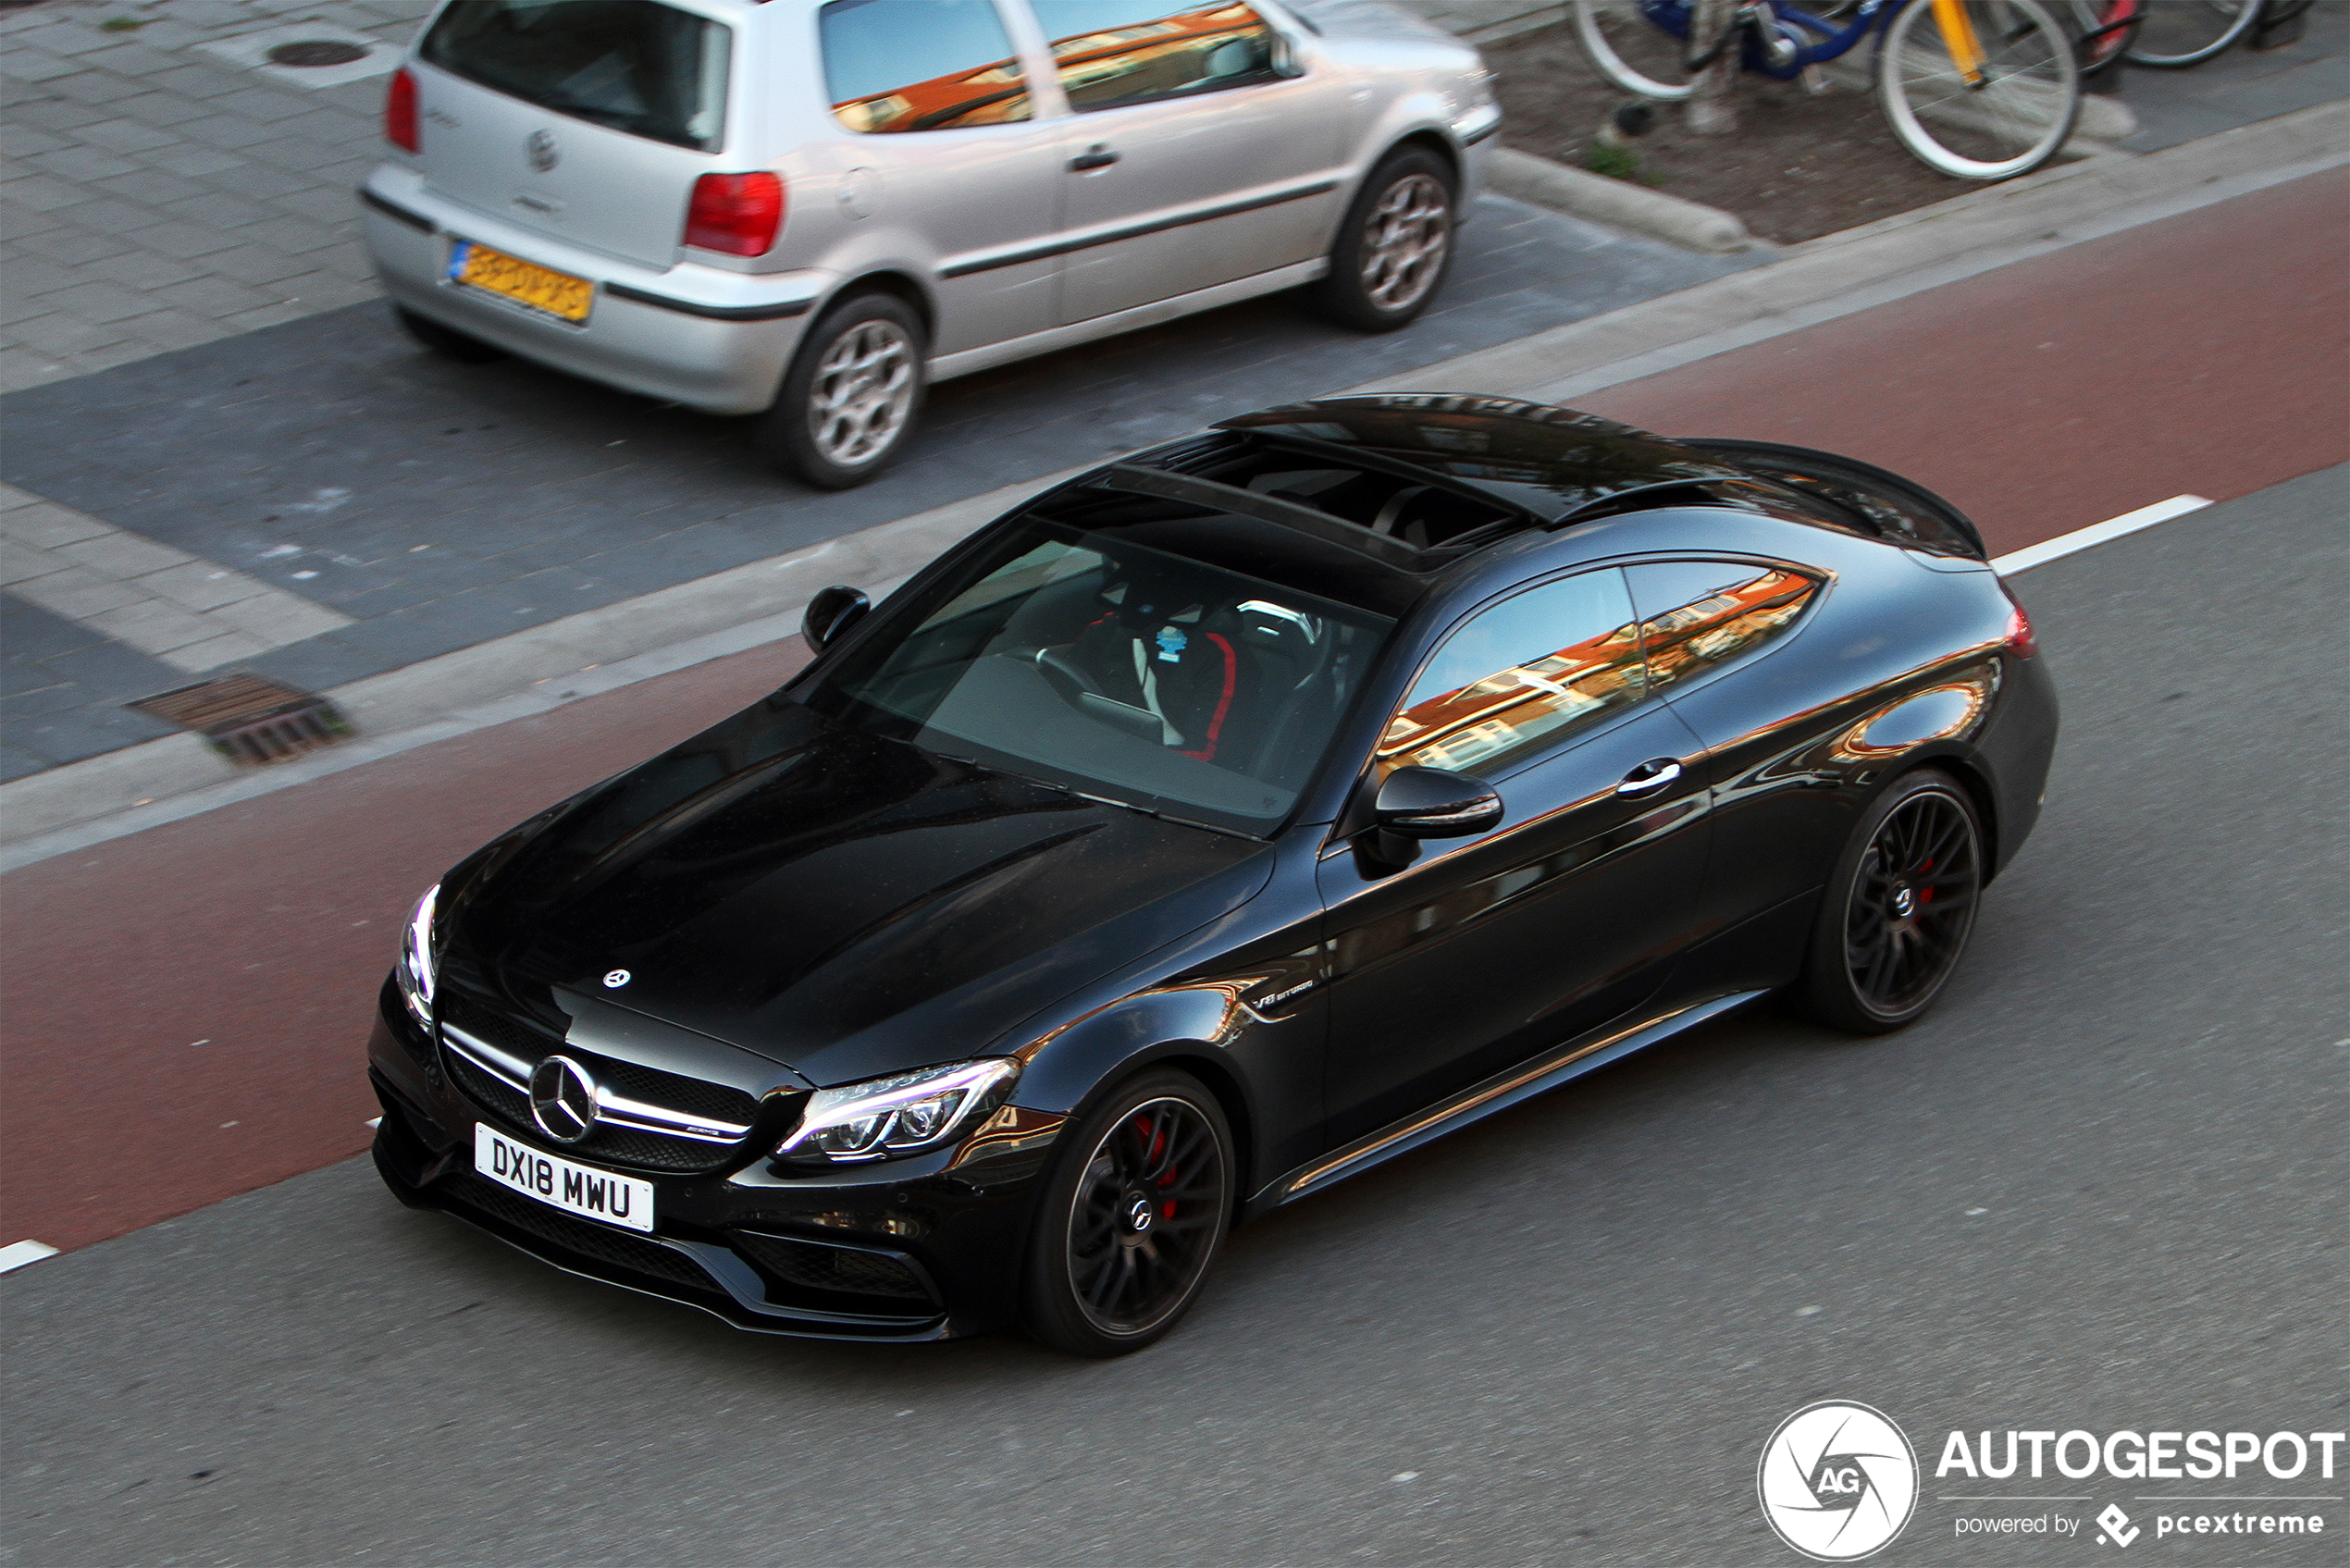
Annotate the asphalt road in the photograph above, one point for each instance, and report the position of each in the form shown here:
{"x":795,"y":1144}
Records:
{"x":2100,"y":1188}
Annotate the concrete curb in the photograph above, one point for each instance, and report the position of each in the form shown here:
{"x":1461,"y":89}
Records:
{"x":1674,"y":219}
{"x":162,"y":780}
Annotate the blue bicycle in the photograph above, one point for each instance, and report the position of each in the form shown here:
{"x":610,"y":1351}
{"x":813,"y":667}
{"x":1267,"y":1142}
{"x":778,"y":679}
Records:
{"x":1977,"y":88}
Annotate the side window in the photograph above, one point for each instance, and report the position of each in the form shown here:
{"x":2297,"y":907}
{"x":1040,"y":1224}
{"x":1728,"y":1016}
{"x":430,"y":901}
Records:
{"x":1696,"y":614}
{"x":1520,"y":677}
{"x":1112,"y":53}
{"x":919,"y":65}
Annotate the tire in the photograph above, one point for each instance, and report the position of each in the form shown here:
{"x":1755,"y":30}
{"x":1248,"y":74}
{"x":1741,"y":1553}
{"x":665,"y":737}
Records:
{"x":2178,"y":33}
{"x":1871,"y":968}
{"x":1157,"y":1150}
{"x":1632,"y":52}
{"x":447,"y":341}
{"x":2016,"y":117}
{"x":852,"y":394}
{"x":1394,"y":246}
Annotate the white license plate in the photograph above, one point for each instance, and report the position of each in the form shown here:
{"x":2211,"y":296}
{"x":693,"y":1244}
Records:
{"x":558,"y":1182}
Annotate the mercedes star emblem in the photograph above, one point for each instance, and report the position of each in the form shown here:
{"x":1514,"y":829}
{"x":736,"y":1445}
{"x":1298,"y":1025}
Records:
{"x":543,"y":153}
{"x":615,"y":979}
{"x":563,"y":1100}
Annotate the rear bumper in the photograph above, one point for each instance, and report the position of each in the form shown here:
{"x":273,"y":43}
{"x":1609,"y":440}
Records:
{"x":710,"y":339}
{"x":914,"y":1250}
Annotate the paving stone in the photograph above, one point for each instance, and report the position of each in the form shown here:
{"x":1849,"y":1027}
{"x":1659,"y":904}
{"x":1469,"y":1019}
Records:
{"x":198,"y":585}
{"x":126,"y":136}
{"x":41,"y":194}
{"x":47,"y":526}
{"x":60,"y":333}
{"x":164,"y":330}
{"x":122,"y":219}
{"x":29,"y":67}
{"x":152,"y":186}
{"x":68,"y":245}
{"x":253,"y":263}
{"x":142,"y":270}
{"x":153,"y":626}
{"x":219,"y":208}
{"x":96,"y":87}
{"x":183,"y":239}
{"x":162,"y":108}
{"x":227,"y":130}
{"x":95,"y":300}
{"x":75,"y":593}
{"x":211,"y":295}
{"x":82,"y":165}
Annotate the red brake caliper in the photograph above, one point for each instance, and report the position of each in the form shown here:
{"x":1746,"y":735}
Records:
{"x":1925,"y":895}
{"x":1158,"y":1146}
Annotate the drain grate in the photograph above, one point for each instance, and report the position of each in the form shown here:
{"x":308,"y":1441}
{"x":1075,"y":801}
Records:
{"x":250,"y":720}
{"x":314,"y":52}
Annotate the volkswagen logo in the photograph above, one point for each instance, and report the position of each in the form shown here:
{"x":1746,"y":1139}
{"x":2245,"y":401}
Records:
{"x":615,"y":979}
{"x":563,"y":1100}
{"x":1837,"y":1481}
{"x":542,"y":151}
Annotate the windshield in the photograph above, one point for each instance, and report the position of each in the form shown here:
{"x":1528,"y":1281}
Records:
{"x":649,"y":70}
{"x":1116,"y":670}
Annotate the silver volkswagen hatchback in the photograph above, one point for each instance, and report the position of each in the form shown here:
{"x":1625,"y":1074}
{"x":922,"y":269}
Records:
{"x":810,"y":209}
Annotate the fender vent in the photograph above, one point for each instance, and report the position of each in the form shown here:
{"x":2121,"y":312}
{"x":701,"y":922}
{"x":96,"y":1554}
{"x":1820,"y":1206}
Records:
{"x":250,"y":720}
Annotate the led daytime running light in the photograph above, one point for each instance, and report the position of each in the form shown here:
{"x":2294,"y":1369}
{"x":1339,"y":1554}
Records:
{"x":417,"y":969}
{"x":900,"y":1114}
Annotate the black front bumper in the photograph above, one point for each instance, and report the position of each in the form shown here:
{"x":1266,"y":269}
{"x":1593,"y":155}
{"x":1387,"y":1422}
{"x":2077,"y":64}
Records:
{"x":905,"y":1250}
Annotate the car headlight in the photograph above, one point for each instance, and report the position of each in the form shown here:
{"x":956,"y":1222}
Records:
{"x":903,"y":1113}
{"x":415,"y":971}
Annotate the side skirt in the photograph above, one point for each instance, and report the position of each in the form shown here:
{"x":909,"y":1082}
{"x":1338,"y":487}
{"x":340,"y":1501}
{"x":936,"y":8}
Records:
{"x":1497,"y":1093}
{"x":947,"y":366}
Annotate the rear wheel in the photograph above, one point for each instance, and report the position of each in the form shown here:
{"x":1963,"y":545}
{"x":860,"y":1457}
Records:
{"x":1394,"y":246}
{"x":1633,"y":52}
{"x":446,"y":341}
{"x":850,"y":400}
{"x":1993,"y":98}
{"x":1898,"y":908}
{"x":2178,"y":33}
{"x":1132,"y":1216}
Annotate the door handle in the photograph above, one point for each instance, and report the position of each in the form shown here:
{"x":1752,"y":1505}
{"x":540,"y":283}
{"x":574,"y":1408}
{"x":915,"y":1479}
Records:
{"x":1096,"y":156}
{"x":1650,"y":777}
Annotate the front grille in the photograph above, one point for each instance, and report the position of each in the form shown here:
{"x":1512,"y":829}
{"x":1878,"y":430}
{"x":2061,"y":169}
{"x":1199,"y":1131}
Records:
{"x":817,"y":1266}
{"x":692,"y":1097}
{"x":583,"y":1237}
{"x":695,"y":1096}
{"x":505,"y":1032}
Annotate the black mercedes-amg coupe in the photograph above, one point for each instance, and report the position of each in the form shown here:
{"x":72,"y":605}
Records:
{"x":1209,"y":829}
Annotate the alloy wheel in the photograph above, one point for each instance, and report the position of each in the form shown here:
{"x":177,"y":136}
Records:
{"x":1145,"y":1220}
{"x":1912,"y":903}
{"x":863,"y":393}
{"x":1404,"y":242}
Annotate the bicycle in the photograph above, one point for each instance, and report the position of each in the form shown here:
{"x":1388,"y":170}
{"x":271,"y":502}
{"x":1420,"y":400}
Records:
{"x":1975,"y":89}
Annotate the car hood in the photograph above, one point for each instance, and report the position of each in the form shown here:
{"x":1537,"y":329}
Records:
{"x":845,"y":905}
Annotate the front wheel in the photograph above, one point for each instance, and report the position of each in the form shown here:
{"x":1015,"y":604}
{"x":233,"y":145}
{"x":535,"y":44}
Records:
{"x":1393,"y":246}
{"x":850,"y":400}
{"x":1898,"y":908}
{"x":1134,"y":1211}
{"x":1979,"y":89}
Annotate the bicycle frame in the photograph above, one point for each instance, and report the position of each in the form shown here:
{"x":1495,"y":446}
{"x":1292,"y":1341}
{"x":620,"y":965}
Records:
{"x":1675,"y":16}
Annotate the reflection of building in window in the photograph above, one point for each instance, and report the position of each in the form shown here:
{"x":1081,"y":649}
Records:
{"x":1125,"y":65}
{"x":1685,"y":641}
{"x":1511,"y":710}
{"x":990,"y":94}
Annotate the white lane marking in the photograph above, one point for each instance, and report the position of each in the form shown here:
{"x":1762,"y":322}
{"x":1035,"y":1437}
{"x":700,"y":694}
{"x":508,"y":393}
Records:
{"x":16,"y":1254}
{"x":2113,"y":528}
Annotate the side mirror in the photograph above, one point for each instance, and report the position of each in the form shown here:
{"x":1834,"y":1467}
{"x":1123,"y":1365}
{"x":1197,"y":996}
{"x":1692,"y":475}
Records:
{"x":1416,"y":802}
{"x":832,"y":613}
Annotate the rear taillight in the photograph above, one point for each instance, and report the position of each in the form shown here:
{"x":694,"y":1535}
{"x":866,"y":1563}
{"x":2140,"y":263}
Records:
{"x":400,"y":111}
{"x":2020,"y":640}
{"x":736,"y":214}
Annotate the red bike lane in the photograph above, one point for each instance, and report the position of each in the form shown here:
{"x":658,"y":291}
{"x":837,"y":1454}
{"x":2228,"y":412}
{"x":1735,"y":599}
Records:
{"x":185,"y":1007}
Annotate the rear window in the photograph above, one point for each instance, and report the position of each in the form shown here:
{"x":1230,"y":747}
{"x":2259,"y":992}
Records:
{"x":649,"y":69}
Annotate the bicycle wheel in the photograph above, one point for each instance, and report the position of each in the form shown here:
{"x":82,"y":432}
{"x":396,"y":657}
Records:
{"x":2178,"y":34}
{"x":1979,"y":89}
{"x":1634,"y":52}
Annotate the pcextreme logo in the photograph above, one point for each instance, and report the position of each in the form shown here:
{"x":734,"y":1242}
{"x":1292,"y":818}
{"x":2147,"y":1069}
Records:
{"x":1837,"y":1481}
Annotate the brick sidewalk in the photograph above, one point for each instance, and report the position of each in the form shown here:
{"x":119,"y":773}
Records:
{"x":158,"y":196}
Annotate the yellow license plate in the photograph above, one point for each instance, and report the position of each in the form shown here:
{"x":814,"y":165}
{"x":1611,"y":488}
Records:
{"x":541,"y":287}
